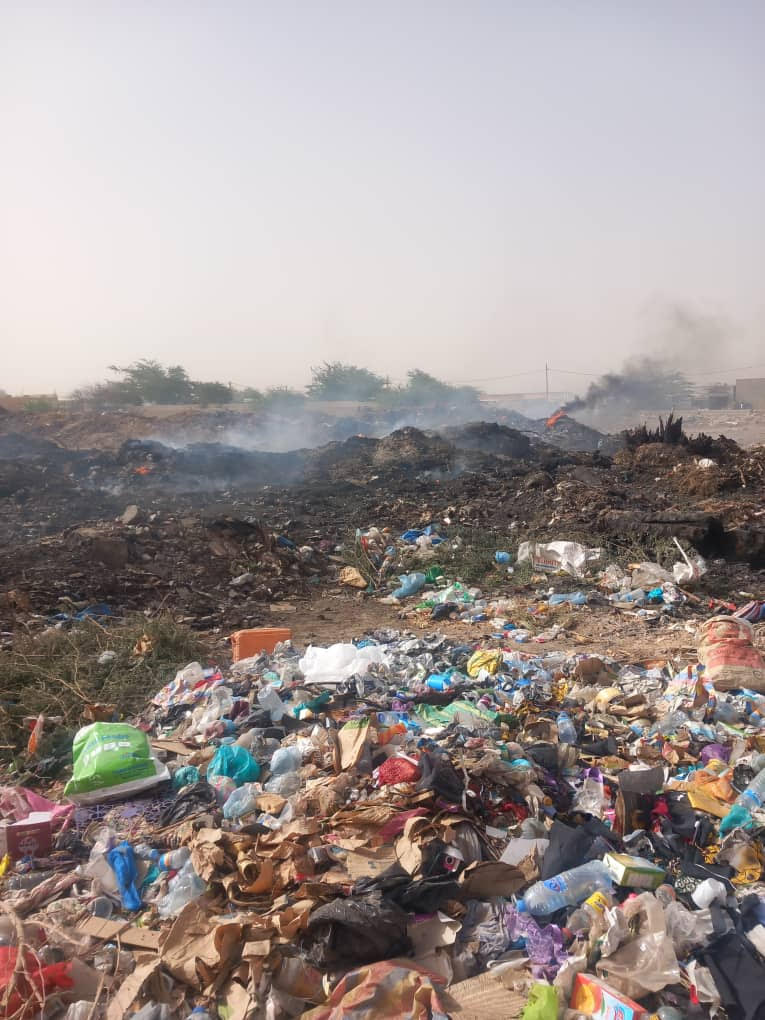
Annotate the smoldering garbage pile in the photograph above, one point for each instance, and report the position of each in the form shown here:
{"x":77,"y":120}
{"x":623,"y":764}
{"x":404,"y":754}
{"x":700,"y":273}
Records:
{"x":215,"y":534}
{"x":403,"y":827}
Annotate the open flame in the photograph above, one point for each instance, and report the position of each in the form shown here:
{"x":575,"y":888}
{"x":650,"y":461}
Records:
{"x":144,"y":469}
{"x":554,"y":418}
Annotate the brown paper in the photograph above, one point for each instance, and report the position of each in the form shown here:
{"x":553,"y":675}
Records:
{"x":126,"y":933}
{"x":197,"y":947}
{"x":352,"y":739}
{"x":485,"y":879}
{"x":130,"y":989}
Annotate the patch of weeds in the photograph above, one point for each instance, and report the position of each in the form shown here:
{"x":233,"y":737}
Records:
{"x":56,"y":673}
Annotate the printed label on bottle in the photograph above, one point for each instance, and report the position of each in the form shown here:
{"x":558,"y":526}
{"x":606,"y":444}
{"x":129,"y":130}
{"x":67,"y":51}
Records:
{"x":598,"y":902}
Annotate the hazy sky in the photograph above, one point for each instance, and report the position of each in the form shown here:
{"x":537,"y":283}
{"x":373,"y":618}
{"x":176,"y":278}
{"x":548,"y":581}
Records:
{"x":471,"y":188}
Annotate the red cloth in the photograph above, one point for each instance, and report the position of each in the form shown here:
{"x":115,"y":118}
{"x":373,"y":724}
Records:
{"x":27,"y":994}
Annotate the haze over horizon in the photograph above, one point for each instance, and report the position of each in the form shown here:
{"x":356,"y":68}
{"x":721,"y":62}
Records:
{"x":248,"y":189}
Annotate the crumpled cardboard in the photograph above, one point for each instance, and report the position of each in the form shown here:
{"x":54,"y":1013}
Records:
{"x":207,"y":853}
{"x":198,"y":950}
{"x":130,"y":989}
{"x":486,"y":879}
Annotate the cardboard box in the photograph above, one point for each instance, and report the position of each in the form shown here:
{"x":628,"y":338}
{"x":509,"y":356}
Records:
{"x":595,"y":998}
{"x":636,"y":872}
{"x":33,"y":837}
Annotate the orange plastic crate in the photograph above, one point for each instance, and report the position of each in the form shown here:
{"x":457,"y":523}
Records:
{"x":245,"y":643}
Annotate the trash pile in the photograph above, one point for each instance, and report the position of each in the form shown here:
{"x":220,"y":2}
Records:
{"x":403,"y":826}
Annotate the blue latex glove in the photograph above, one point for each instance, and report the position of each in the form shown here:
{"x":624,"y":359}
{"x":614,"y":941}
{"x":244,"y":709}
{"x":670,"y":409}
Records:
{"x":122,"y":862}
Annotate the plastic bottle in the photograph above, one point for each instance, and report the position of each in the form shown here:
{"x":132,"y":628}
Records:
{"x":753,"y":796}
{"x":566,"y":729}
{"x":174,"y":859}
{"x":567,"y":889}
{"x":185,"y":887}
{"x":576,"y":598}
{"x":668,"y":725}
{"x":593,"y":908}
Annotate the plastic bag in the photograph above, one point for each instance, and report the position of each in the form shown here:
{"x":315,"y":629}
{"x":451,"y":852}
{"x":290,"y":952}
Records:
{"x":550,"y":557}
{"x":268,"y":699}
{"x":647,"y":962}
{"x":649,"y":575}
{"x":284,"y":785}
{"x":112,"y":760}
{"x":339,"y":662}
{"x":241,"y":802}
{"x":542,"y":1003}
{"x":286,"y":759}
{"x":410,"y":585}
{"x":235,"y":762}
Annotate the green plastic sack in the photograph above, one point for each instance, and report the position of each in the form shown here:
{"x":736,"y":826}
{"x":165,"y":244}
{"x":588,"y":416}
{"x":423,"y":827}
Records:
{"x":542,"y":1003}
{"x":235,"y":762}
{"x":112,"y":760}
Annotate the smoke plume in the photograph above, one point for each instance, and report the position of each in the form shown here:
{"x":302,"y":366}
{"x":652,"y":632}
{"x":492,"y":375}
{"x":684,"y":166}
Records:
{"x":685,"y":341}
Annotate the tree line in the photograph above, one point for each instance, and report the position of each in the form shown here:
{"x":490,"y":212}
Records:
{"x":149,"y":382}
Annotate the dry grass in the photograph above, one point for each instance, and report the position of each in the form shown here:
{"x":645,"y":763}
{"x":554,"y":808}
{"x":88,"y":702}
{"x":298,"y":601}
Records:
{"x":56,"y":673}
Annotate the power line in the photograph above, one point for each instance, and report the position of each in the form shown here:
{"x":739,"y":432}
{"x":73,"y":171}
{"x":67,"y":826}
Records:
{"x":723,"y":370}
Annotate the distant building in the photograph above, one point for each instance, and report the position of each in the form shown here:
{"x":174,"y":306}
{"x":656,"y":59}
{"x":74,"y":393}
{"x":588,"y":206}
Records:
{"x":750,"y":392}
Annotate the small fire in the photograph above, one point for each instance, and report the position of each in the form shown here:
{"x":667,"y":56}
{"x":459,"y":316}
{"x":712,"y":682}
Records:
{"x":144,"y":469}
{"x":554,"y":418}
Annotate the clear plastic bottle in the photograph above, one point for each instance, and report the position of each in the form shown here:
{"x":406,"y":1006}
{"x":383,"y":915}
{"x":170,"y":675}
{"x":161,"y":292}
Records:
{"x":753,"y":796}
{"x":566,"y":729}
{"x":185,"y":887}
{"x":669,"y":724}
{"x":592,"y":910}
{"x":567,"y":889}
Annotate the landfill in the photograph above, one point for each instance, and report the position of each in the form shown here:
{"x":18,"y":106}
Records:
{"x":410,"y":754}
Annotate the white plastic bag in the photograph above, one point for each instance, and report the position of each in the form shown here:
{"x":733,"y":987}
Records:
{"x":649,"y":575}
{"x":339,"y":662}
{"x":550,"y":557}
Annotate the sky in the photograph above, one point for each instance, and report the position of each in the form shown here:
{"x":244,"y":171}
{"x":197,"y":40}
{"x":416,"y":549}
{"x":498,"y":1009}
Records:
{"x":474,"y":189}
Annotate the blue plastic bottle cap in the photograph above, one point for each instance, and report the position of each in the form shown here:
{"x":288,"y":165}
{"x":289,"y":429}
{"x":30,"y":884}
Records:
{"x":520,"y":906}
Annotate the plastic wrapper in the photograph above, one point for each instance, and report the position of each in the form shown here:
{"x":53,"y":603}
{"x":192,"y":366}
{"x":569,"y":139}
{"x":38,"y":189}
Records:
{"x":646,"y":962}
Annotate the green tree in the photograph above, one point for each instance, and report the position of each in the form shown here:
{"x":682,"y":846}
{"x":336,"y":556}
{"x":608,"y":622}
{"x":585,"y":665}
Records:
{"x":212,"y":393}
{"x":334,"y":380}
{"x":156,"y":384}
{"x":423,"y":389}
{"x":282,"y":398}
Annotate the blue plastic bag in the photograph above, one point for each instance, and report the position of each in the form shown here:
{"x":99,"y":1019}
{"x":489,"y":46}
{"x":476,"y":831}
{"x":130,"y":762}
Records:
{"x":122,"y":862}
{"x":410,"y":585}
{"x":235,"y":762}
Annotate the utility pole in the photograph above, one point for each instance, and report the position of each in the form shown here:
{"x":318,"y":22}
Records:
{"x":547,"y":383}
